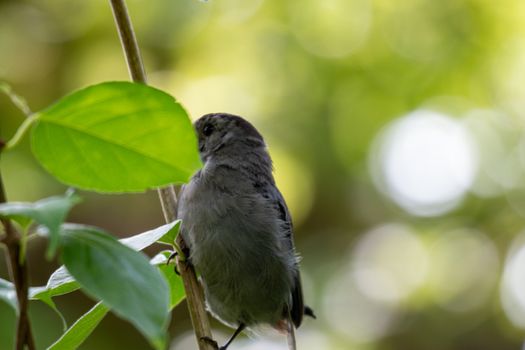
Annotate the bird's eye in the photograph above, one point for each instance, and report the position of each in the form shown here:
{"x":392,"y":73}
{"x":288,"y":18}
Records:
{"x":207,"y":129}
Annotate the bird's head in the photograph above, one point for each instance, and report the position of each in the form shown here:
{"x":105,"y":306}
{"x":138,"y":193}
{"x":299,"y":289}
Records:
{"x":226,"y":134}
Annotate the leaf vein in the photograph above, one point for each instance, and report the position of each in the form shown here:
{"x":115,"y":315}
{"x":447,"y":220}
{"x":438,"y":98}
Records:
{"x":117,"y":144}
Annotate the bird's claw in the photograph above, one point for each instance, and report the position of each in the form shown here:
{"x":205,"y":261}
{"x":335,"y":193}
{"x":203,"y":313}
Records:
{"x":172,"y":256}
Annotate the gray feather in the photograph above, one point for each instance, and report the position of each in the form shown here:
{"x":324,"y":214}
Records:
{"x":238,"y":228}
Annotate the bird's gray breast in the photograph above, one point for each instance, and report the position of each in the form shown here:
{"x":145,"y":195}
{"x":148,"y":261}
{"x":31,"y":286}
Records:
{"x":237,"y":244}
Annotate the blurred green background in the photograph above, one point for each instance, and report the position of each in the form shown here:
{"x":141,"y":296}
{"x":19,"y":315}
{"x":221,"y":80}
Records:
{"x":397,"y":133}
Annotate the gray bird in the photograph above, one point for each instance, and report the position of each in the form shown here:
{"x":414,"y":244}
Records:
{"x":237,"y":227}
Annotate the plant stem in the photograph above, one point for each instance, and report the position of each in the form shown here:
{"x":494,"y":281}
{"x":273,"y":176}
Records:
{"x":20,"y":132}
{"x":18,"y":271}
{"x":168,"y":197}
{"x":17,"y":100}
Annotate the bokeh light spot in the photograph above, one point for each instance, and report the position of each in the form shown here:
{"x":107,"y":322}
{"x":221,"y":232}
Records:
{"x":499,"y":140}
{"x":353,"y":314}
{"x":390,"y":263}
{"x":218,"y":93}
{"x":513,"y":283}
{"x":507,"y":74}
{"x":324,"y":28}
{"x":236,"y":11}
{"x":456,"y":280}
{"x":423,"y":30}
{"x":425,"y":162}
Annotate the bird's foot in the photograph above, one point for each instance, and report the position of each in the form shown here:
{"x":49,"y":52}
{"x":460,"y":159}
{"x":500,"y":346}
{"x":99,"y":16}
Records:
{"x":172,"y":256}
{"x":182,"y":256}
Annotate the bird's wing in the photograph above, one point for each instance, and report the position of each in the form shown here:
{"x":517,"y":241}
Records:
{"x":297,"y":307}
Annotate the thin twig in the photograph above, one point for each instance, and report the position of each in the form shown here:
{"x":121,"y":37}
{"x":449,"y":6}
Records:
{"x":19,"y":276}
{"x":168,"y":198}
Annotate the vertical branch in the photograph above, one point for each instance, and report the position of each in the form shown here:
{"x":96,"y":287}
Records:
{"x":128,"y":41}
{"x":18,"y":271}
{"x":168,"y":198}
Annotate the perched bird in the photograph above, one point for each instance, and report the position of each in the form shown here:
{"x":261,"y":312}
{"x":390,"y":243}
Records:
{"x":237,"y":227}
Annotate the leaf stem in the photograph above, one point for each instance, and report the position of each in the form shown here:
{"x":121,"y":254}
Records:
{"x":179,"y":251}
{"x":168,"y":198}
{"x":19,"y":276}
{"x":17,"y":100}
{"x":23,"y":246}
{"x":22,"y":129}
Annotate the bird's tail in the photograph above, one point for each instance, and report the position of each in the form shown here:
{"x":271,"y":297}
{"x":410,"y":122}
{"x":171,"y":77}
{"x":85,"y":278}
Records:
{"x":292,"y":345}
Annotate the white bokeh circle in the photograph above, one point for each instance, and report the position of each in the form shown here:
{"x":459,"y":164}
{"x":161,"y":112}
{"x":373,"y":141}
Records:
{"x":425,"y":162}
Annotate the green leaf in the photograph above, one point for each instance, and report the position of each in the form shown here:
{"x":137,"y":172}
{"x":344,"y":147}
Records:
{"x":81,"y":329}
{"x":162,"y":234}
{"x":120,"y":136}
{"x":84,"y":326}
{"x":49,"y":212}
{"x":42,"y":294}
{"x":177,"y":293}
{"x":61,"y":282}
{"x":122,"y":278}
{"x":8,"y":294}
{"x":171,"y":235}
